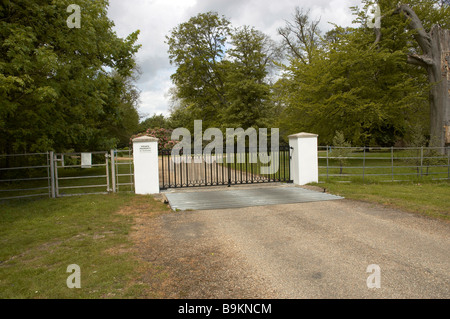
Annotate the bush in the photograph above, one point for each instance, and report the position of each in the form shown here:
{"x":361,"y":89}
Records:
{"x":342,"y":151}
{"x":163,"y":135}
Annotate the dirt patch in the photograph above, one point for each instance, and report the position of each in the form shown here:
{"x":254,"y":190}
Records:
{"x":197,"y":265}
{"x":314,"y":188}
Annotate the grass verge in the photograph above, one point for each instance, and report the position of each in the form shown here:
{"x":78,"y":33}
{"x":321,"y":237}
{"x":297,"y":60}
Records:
{"x":426,"y":198}
{"x":39,"y":239}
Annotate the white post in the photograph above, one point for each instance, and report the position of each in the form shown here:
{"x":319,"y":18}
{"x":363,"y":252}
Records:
{"x":112,"y":155}
{"x":146,"y":165}
{"x":304,"y":161}
{"x":52,"y":174}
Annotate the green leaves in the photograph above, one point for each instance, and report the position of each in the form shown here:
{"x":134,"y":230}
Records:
{"x":54,"y":90}
{"x":367,"y":94}
{"x":197,"y":48}
{"x":221,"y":74}
{"x":343,"y":81}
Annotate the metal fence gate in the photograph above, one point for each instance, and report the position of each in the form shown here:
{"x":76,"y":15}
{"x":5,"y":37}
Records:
{"x":65,"y":174}
{"x":93,"y":173}
{"x":244,"y":167}
{"x":122,"y":171}
{"x":81,"y":173}
{"x":25,"y":175}
{"x":381,"y":164}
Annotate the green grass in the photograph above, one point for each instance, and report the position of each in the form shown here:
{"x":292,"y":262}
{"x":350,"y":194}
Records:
{"x":40,"y":238}
{"x":426,"y":198}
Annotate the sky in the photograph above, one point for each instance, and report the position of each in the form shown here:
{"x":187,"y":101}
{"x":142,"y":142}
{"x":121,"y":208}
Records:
{"x":156,"y":18}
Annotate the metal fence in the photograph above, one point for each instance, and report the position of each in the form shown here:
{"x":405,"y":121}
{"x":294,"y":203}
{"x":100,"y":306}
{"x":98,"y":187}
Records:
{"x":65,"y":174}
{"x":77,"y":172}
{"x":383,"y":163}
{"x":25,"y":175}
{"x":123,"y":173}
{"x":237,"y":167}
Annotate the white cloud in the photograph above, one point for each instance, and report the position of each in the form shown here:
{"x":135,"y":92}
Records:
{"x":152,"y":102}
{"x":156,"y":18}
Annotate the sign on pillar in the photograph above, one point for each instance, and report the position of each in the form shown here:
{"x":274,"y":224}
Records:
{"x":304,"y":161}
{"x":146,"y":165}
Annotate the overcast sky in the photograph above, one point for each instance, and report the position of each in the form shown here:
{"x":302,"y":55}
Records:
{"x":156,"y":18}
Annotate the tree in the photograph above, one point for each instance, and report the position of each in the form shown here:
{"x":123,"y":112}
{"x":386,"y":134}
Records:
{"x":368,"y":91}
{"x":366,"y":94}
{"x":247,"y":91}
{"x":341,"y":150}
{"x":427,"y":22}
{"x":197,"y":48}
{"x":157,"y":120}
{"x":122,"y":118}
{"x":222,"y":73}
{"x":56,"y":90}
{"x":302,"y":37}
{"x":435,"y":58}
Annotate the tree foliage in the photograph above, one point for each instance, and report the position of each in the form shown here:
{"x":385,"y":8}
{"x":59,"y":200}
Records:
{"x":341,"y":150}
{"x":63,"y":88}
{"x":197,"y":48}
{"x":222,"y":72}
{"x":157,"y":120}
{"x":369,"y":93}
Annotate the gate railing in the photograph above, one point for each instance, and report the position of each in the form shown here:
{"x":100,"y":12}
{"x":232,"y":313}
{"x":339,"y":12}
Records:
{"x":25,"y":175}
{"x":77,"y":172}
{"x":383,"y":163}
{"x":65,"y":174}
{"x":123,"y":174}
{"x":245,"y":167}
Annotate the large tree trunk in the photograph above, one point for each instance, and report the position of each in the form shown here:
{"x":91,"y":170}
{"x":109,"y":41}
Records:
{"x":435,"y":59}
{"x":439,"y":76}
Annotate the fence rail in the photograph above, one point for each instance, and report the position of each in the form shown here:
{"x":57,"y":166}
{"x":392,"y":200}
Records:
{"x":383,"y":163}
{"x":25,"y":175}
{"x":123,"y":173}
{"x":237,"y":167}
{"x":75,"y":172}
{"x":65,"y":174}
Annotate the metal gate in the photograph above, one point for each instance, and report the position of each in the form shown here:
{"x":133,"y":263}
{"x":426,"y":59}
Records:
{"x":65,"y":174}
{"x":81,"y":173}
{"x":122,"y":171}
{"x":92,"y":173}
{"x":245,"y":167}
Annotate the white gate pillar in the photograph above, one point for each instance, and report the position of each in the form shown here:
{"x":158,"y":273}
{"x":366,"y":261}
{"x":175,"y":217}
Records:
{"x":146,"y":165}
{"x":304,"y":161}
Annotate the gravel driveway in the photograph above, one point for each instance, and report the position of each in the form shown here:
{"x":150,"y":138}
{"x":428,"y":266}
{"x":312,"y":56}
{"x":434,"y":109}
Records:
{"x":302,"y":250}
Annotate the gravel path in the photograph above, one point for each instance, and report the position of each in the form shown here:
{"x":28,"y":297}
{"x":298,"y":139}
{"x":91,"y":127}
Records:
{"x":307,"y":250}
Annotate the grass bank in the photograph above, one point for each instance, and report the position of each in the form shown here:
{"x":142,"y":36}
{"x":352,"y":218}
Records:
{"x":39,"y":239}
{"x":427,"y":198}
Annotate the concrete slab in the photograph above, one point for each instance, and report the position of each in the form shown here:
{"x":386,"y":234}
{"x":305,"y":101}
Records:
{"x":244,"y":197}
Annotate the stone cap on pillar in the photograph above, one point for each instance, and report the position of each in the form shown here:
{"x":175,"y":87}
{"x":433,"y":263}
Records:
{"x":303,"y":135}
{"x":145,"y":138}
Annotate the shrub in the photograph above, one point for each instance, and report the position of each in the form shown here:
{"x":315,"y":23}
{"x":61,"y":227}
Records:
{"x":163,"y":135}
